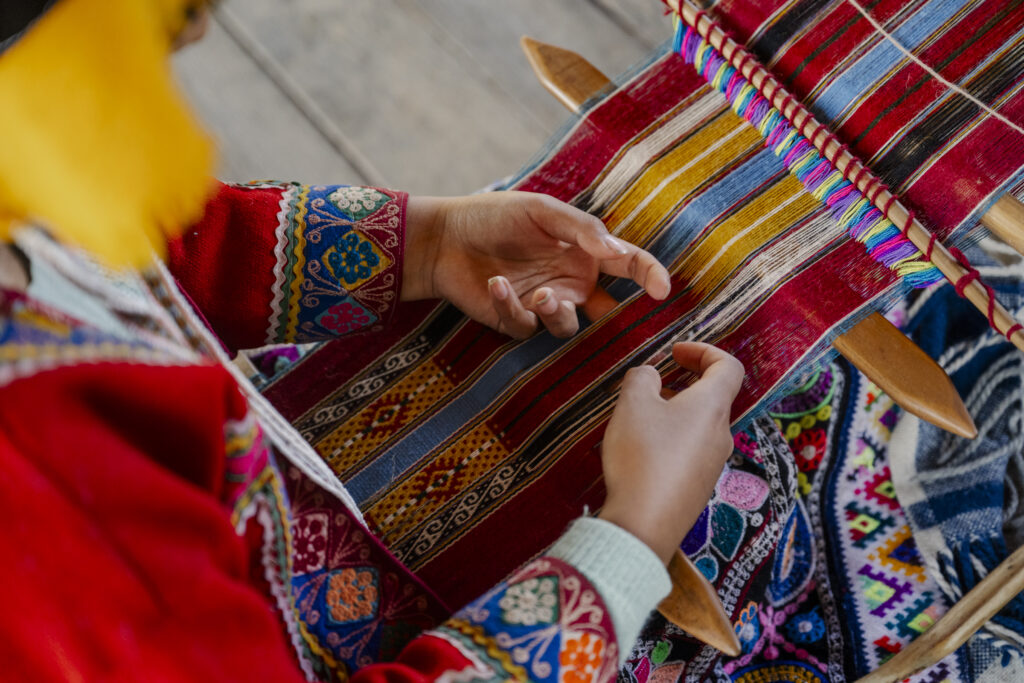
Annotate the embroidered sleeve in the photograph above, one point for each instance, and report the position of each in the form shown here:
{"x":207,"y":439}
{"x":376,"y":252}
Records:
{"x":289,"y":263}
{"x":546,"y":623}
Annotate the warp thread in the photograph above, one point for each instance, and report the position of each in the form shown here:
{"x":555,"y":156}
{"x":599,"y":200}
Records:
{"x":854,"y":211}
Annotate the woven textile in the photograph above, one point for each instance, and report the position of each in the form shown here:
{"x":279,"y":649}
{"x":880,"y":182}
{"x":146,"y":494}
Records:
{"x":914,"y":132}
{"x":453,"y":439}
{"x":954,"y":489}
{"x":845,"y":588}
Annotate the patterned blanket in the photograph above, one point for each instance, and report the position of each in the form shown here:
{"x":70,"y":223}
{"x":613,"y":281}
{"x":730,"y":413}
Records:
{"x":962,"y":497}
{"x":844,"y":587}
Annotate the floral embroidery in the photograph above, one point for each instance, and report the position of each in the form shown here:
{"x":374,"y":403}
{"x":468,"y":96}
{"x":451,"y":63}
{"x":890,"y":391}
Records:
{"x":345,"y":317}
{"x":546,"y":623}
{"x":352,"y":594}
{"x":581,"y":659}
{"x":809,"y":447}
{"x":345,"y":601}
{"x":352,"y":258}
{"x":310,"y":542}
{"x":335,"y":245}
{"x":35,"y":338}
{"x":806,"y":628}
{"x":530,"y":602}
{"x":748,"y":627}
{"x":357,"y":202}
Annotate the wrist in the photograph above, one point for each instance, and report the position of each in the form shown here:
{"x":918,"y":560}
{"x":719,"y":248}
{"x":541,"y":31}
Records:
{"x":651,"y":531}
{"x":424,"y":221}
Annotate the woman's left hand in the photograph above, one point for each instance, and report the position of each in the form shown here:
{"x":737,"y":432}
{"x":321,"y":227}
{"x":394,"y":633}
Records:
{"x":513,"y":260}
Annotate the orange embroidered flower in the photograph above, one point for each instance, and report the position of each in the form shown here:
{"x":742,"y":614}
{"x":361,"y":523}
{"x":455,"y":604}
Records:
{"x":352,"y":594}
{"x":581,"y":658}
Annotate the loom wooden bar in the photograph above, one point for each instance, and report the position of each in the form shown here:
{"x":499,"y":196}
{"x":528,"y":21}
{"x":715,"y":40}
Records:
{"x":958,"y":624}
{"x":799,"y":117}
{"x":566,"y":75}
{"x":915,"y":382}
{"x":693,"y":606}
{"x":1006,"y":220}
{"x":875,"y":347}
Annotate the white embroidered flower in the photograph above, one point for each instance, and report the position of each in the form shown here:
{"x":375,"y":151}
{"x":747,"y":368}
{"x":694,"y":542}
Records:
{"x":355,"y":200}
{"x":534,"y":601}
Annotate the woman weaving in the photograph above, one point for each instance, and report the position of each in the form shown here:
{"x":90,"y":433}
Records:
{"x":159,"y":521}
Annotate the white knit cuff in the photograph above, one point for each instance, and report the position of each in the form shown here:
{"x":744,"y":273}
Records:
{"x":629,"y":576}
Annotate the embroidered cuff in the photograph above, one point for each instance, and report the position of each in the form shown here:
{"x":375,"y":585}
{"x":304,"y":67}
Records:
{"x":628,"y":574}
{"x":547,"y":624}
{"x":339,"y":261}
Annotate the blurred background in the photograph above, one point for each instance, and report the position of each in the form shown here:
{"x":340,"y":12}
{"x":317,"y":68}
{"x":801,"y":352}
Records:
{"x":427,"y":96}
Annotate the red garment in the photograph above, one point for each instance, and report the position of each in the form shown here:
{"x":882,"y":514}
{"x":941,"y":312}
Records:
{"x":122,"y":562}
{"x":150,"y":528}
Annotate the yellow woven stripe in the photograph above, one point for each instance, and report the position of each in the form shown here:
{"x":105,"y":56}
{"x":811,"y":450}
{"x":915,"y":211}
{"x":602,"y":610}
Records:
{"x":770,"y":213}
{"x":299,"y":249}
{"x":362,"y":434}
{"x":451,"y":473}
{"x":640,"y":226}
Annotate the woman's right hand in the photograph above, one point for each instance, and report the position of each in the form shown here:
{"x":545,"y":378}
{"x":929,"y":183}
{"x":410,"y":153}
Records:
{"x":662,"y":458}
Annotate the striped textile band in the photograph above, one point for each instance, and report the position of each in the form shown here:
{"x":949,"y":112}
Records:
{"x":453,"y":439}
{"x":886,"y":243}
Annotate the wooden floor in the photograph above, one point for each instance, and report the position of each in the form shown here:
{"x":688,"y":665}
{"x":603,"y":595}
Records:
{"x":428,"y":96}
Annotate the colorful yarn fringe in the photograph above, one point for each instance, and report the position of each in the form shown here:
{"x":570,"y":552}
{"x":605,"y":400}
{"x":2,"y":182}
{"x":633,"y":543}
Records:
{"x":858,"y":216}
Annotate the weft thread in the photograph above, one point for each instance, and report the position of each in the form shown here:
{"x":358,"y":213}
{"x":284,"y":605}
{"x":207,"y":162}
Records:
{"x":857,"y":214}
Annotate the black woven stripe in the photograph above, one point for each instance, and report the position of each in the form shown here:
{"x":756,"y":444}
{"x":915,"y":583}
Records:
{"x":925,"y":78}
{"x":768,"y":45}
{"x":932,"y":134}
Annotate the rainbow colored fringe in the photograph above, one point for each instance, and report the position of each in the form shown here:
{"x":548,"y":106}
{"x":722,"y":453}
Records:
{"x":859,"y":217}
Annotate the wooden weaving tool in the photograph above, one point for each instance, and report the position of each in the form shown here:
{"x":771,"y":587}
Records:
{"x":874,"y":346}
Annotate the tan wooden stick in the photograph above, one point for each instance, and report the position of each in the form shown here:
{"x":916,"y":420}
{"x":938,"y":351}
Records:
{"x":1006,"y":220}
{"x":825,"y":143}
{"x":693,"y":606}
{"x":958,"y":624}
{"x":907,"y":374}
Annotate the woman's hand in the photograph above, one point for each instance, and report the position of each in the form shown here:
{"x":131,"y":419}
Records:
{"x":662,"y":458}
{"x":511,"y":259}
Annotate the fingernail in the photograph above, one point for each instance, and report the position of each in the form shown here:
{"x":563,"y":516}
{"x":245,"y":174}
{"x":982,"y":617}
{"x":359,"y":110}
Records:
{"x":615,"y":245}
{"x":544,"y":299}
{"x":498,"y":286}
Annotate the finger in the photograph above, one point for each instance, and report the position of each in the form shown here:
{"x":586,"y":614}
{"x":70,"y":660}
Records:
{"x":558,"y":316}
{"x":641,"y":384}
{"x":716,"y":367}
{"x":617,"y":257}
{"x":571,"y":225}
{"x":598,"y":304}
{"x":642,"y":268}
{"x":513,"y":319}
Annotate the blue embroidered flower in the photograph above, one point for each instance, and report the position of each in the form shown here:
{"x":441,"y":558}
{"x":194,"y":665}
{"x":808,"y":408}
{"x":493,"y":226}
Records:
{"x":352,"y":258}
{"x":806,"y":628}
{"x":748,"y":627}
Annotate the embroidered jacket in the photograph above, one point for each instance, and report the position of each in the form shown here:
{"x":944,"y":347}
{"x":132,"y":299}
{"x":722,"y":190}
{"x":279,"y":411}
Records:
{"x":150,"y":515}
